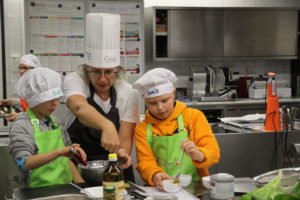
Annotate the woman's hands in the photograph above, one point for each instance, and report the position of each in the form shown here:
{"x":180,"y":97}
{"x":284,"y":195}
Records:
{"x":192,"y":151}
{"x":158,"y":178}
{"x":110,"y":139}
{"x":125,"y":159}
{"x":90,"y":117}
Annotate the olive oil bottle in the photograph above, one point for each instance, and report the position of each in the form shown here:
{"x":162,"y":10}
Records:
{"x":113,"y":177}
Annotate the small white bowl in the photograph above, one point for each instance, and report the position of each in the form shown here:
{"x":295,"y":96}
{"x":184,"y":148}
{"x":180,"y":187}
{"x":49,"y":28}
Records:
{"x":206,"y":182}
{"x":93,"y":192}
{"x":185,"y":179}
{"x":170,"y":186}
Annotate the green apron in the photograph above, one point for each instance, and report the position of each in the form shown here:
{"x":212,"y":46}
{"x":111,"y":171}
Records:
{"x":57,"y":171}
{"x":167,"y":151}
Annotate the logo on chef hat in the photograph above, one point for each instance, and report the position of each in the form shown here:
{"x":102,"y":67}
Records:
{"x":56,"y":92}
{"x":150,"y":92}
{"x":108,"y":59}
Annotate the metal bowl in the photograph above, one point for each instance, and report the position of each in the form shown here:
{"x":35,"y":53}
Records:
{"x":288,"y":174}
{"x":92,"y":173}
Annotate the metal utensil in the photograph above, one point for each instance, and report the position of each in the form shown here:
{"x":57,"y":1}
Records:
{"x":176,"y":179}
{"x":80,"y":188}
{"x":78,"y":157}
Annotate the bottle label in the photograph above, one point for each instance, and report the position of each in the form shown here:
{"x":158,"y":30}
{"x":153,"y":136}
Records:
{"x":109,"y":193}
{"x":120,"y":191}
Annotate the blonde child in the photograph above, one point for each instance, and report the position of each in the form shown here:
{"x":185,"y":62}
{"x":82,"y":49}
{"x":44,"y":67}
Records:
{"x":168,"y":129}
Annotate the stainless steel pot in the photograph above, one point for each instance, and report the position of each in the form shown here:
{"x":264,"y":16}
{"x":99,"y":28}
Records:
{"x":92,"y":173}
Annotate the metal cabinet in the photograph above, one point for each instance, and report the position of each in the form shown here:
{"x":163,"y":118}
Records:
{"x":223,"y":33}
{"x":239,"y":111}
{"x":260,"y":33}
{"x":251,"y":154}
{"x":195,"y":33}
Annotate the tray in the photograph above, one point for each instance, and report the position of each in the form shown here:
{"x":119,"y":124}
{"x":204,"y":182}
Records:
{"x":287,"y":174}
{"x":5,"y":110}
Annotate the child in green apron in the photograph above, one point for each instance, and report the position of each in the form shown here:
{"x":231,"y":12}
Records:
{"x":40,"y":147}
{"x":168,"y":129}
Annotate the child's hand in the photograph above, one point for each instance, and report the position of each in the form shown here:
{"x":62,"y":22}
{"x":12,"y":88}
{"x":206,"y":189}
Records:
{"x":11,"y":116}
{"x":79,"y":155}
{"x":67,"y":152}
{"x":158,"y":178}
{"x":5,"y":102}
{"x":191,"y":150}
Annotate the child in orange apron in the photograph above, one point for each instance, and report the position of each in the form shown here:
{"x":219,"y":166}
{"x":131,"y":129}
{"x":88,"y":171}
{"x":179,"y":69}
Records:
{"x":27,"y":62}
{"x":40,"y":147}
{"x":170,"y":128}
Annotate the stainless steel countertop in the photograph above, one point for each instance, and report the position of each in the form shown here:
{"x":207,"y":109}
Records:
{"x":4,"y":141}
{"x":245,"y":101}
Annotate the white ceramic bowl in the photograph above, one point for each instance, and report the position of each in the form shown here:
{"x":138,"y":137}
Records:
{"x":96,"y":192}
{"x":93,"y":192}
{"x":170,"y":186}
{"x":206,"y":182}
{"x":185,"y":179}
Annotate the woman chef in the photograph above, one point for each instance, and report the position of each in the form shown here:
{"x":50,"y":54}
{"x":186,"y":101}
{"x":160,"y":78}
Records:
{"x":102,"y":108}
{"x":26,"y":63}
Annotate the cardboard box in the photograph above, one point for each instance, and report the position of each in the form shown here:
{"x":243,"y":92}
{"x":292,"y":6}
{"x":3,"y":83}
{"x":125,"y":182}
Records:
{"x":161,"y":28}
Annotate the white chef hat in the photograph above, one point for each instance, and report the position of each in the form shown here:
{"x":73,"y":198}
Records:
{"x":156,"y":82}
{"x":102,"y":39}
{"x":30,"y":60}
{"x":39,"y":85}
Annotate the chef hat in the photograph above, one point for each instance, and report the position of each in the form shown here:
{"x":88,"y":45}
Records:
{"x":30,"y":60}
{"x":102,"y":40}
{"x":156,"y":82}
{"x":39,"y":85}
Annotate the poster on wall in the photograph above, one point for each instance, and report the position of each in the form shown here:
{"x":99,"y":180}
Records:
{"x":56,"y":33}
{"x":131,"y":36}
